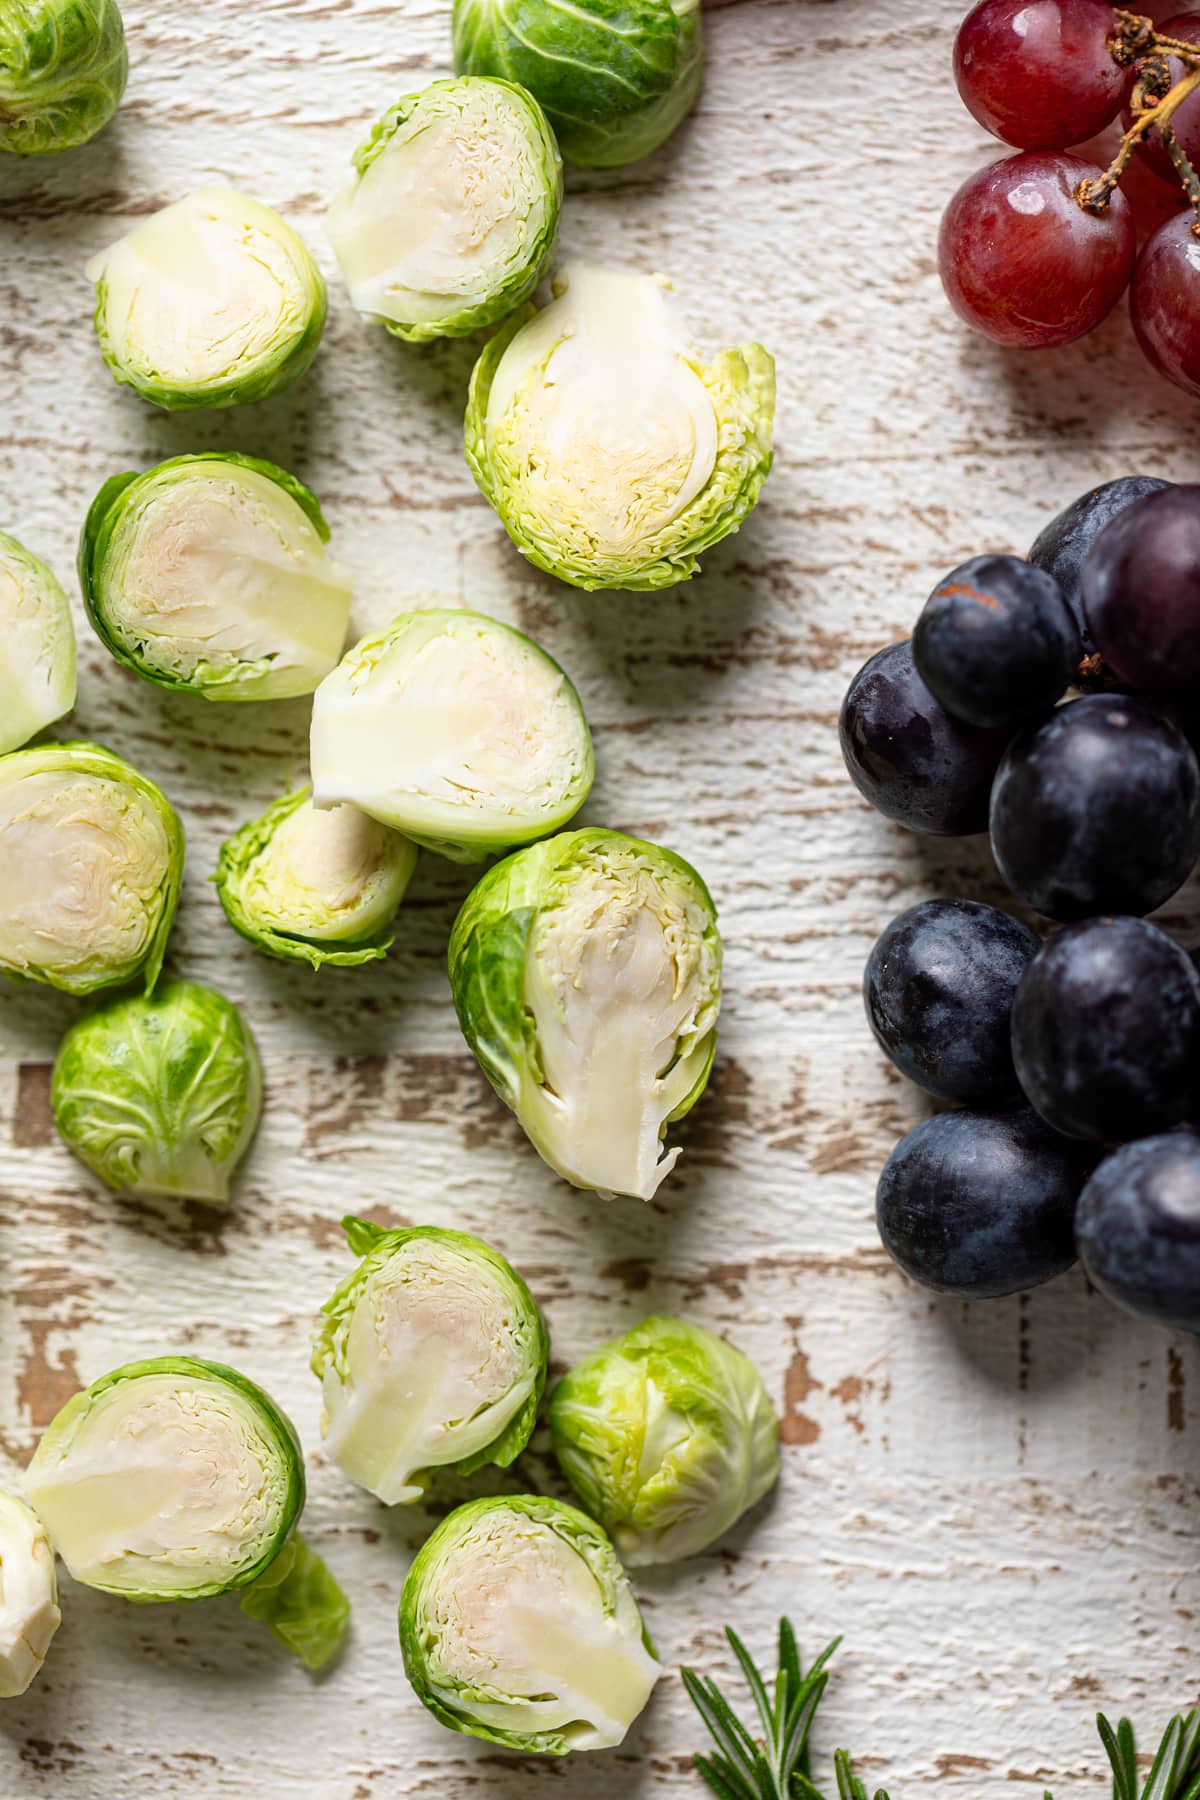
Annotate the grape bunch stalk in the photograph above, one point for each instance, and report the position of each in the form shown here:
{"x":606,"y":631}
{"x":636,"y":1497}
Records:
{"x":1036,"y":250}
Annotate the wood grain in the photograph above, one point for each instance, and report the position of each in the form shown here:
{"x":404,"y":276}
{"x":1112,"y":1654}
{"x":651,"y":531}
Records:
{"x":998,"y":1506}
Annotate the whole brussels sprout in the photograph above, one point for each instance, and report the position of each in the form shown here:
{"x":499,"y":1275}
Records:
{"x":160,"y":1094}
{"x":432,"y":1353}
{"x":667,"y":1436}
{"x":454,"y":729}
{"x":518,"y":1625}
{"x":37,"y":670}
{"x":449,"y":217}
{"x":91,"y":855}
{"x":586,"y":972}
{"x":209,"y":574}
{"x":179,"y":1479}
{"x":615,"y":76}
{"x":212,"y":302}
{"x":63,"y":68}
{"x":29,"y":1615}
{"x":611,"y":452}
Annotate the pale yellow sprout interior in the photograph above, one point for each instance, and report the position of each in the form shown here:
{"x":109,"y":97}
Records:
{"x":37,"y":665}
{"x":428,"y":1370}
{"x":216,"y":568}
{"x":447,"y":211}
{"x":160,"y":1485}
{"x":203,"y":289}
{"x":82,"y":863}
{"x":29,"y":1615}
{"x":519,"y":1612}
{"x":621,"y":985}
{"x":328,"y":875}
{"x":605,"y":427}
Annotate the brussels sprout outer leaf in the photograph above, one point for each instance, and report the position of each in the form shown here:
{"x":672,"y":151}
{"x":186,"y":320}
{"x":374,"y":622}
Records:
{"x":362,"y":1235}
{"x":63,"y":69}
{"x":299,"y":1600}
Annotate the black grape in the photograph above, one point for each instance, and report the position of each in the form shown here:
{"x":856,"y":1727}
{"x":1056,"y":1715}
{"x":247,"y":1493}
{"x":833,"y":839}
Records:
{"x":996,"y":642}
{"x":1138,"y":1228}
{"x":1062,"y":547}
{"x":1141,"y":594}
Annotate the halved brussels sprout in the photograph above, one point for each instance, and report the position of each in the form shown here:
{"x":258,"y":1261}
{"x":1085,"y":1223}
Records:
{"x":611,"y":452}
{"x":587,"y":977}
{"x":315,"y":887}
{"x":450,"y":215}
{"x":667,"y":1435}
{"x":91,"y":855}
{"x":160,"y":1094}
{"x":454,"y":729}
{"x":212,"y":302}
{"x":179,"y":1479}
{"x":615,"y":76}
{"x":209,"y":574}
{"x":29,"y":1615}
{"x":518,"y":1625}
{"x":37,"y":670}
{"x":63,"y":68}
{"x":431,"y":1354}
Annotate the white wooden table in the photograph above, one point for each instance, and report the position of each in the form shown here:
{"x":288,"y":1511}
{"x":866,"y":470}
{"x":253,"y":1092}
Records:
{"x":998,"y":1506}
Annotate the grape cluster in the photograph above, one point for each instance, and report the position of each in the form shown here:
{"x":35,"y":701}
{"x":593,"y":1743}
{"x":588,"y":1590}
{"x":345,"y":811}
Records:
{"x":1048,"y":700}
{"x":1036,"y":249}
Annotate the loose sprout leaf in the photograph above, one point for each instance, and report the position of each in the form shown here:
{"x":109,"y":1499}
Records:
{"x":301,"y":1603}
{"x":63,"y":68}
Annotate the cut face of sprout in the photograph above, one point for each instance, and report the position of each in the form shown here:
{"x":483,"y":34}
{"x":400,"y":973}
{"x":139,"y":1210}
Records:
{"x":450,"y":214}
{"x":455,"y":730}
{"x":29,"y":1615}
{"x":37,"y":670}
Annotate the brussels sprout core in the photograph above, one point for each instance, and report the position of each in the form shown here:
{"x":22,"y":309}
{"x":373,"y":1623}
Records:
{"x":210,"y":574}
{"x":432,"y":1353}
{"x":455,"y":730}
{"x":91,"y":855}
{"x":63,"y":67}
{"x":518,"y":1625}
{"x":173,"y":1479}
{"x":37,"y":669}
{"x":667,"y":1435}
{"x":450,"y":215}
{"x":612,"y":454}
{"x":212,"y":302}
{"x":587,"y":975}
{"x":29,"y":1615}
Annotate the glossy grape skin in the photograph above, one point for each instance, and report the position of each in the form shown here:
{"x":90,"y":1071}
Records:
{"x":1106,"y":1030}
{"x":1039,"y":73}
{"x":1185,"y":121}
{"x":980,"y":1204}
{"x":1020,"y":259}
{"x":1164,"y":302}
{"x":1138,"y":1229}
{"x":996,"y":643}
{"x":1141,"y":593}
{"x":908,"y":757}
{"x":1098,"y":809}
{"x":1062,"y":546}
{"x":938,"y":988}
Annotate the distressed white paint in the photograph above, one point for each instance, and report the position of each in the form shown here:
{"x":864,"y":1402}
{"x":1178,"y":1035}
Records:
{"x":994,"y":1505}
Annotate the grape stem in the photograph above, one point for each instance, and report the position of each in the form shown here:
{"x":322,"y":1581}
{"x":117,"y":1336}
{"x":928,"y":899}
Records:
{"x":1154,"y":103}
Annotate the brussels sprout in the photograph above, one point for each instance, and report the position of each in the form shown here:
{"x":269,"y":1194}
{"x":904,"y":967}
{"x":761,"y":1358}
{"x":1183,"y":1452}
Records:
{"x":454,"y":729}
{"x":587,"y":977}
{"x":29,"y":1615}
{"x":37,"y":670}
{"x":160,"y":1094}
{"x":315,"y":887}
{"x":212,"y":302}
{"x":179,"y":1479}
{"x":209,"y":574}
{"x":431,"y":1354}
{"x":615,"y":76}
{"x":667,"y":1436}
{"x":91,"y":855}
{"x":63,"y":67}
{"x":518,"y":1625}
{"x":449,"y":217}
{"x":611,"y":452}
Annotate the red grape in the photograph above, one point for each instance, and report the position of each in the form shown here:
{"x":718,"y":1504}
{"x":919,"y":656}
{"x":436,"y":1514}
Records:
{"x":1164,"y":302}
{"x":1039,"y":73}
{"x":1021,"y":260}
{"x":1186,"y":121}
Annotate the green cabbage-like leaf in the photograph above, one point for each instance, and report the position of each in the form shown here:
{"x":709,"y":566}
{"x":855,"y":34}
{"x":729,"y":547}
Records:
{"x":37,"y":670}
{"x":301,"y":1603}
{"x":63,"y":68}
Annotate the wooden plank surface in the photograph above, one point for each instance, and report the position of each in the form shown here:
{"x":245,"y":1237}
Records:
{"x":997,"y":1506}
